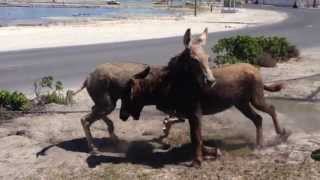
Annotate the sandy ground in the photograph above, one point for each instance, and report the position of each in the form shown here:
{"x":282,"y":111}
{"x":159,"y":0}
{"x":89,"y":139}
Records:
{"x":93,"y":32}
{"x":53,"y":147}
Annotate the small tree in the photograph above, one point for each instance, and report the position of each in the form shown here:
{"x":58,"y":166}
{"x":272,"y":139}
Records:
{"x":47,"y":90}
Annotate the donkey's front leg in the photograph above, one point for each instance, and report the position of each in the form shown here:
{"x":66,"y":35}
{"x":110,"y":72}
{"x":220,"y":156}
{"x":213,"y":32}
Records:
{"x":196,"y":139}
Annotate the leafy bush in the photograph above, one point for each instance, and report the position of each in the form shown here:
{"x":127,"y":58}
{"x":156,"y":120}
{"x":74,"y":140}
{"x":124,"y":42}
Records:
{"x":251,"y":49}
{"x":48,"y":90}
{"x":15,"y":101}
{"x":278,"y":47}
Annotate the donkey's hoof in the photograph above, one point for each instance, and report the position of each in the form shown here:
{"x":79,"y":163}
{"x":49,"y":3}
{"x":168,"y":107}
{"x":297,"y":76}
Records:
{"x":94,"y":151}
{"x":164,"y":129}
{"x":211,"y":153}
{"x":114,"y":139}
{"x":196,"y":163}
{"x":259,"y":147}
{"x":159,"y":139}
{"x":284,"y":135}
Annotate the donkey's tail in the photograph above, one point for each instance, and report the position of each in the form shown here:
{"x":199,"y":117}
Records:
{"x":84,"y":84}
{"x":273,"y":87}
{"x":70,"y":93}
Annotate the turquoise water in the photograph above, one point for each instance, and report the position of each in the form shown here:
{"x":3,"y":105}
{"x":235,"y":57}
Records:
{"x":132,"y":8}
{"x":14,"y":13}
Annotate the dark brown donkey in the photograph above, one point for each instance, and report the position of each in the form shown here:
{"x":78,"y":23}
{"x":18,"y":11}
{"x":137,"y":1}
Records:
{"x":237,"y":85}
{"x":177,"y":88}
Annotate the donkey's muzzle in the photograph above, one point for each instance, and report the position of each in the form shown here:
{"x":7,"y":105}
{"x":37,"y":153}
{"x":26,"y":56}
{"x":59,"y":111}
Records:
{"x":209,"y":82}
{"x":124,"y":115}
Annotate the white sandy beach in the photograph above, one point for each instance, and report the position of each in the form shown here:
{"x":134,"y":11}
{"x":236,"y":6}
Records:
{"x":94,"y":32}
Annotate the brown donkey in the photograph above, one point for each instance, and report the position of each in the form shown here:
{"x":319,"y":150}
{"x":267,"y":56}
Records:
{"x":238,"y":85}
{"x":105,"y":85}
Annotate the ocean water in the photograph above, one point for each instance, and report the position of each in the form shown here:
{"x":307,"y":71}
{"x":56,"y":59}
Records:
{"x":128,"y":8}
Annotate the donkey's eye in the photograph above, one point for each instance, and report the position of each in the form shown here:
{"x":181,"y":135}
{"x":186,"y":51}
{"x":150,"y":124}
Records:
{"x":195,"y":61}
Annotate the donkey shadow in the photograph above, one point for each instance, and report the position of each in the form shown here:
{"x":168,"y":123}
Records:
{"x":143,"y":152}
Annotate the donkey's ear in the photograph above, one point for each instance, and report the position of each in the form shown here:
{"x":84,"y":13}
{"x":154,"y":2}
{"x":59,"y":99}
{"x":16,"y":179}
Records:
{"x":203,"y":37}
{"x":187,"y":38}
{"x":142,"y":74}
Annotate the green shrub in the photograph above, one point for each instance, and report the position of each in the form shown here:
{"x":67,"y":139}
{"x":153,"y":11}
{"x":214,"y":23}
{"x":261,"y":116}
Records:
{"x":15,"y":101}
{"x":48,"y":90}
{"x":250,"y":49}
{"x":4,"y":97}
{"x":278,"y":47}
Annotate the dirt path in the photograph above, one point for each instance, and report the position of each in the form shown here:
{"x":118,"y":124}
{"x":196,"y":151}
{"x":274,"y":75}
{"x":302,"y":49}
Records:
{"x":52,"y":146}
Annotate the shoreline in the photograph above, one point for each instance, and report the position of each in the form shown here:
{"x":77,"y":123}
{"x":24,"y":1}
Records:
{"x":91,"y":31}
{"x":59,"y":5}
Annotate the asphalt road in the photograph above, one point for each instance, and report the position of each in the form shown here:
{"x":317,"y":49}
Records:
{"x":19,"y":69}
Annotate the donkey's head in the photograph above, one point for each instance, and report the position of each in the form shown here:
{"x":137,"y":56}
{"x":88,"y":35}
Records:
{"x":193,"y":61}
{"x":133,"y":101}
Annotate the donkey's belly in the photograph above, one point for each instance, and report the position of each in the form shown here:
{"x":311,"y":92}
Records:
{"x":214,"y":108}
{"x":213,"y":104}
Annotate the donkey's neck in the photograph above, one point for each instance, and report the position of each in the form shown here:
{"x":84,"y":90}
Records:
{"x":180,"y":92}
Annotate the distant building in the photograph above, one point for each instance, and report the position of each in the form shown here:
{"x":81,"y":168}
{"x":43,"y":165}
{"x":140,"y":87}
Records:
{"x":300,"y":3}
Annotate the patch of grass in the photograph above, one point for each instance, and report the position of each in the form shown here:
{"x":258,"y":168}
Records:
{"x":145,"y":175}
{"x":127,"y":171}
{"x":112,"y":173}
{"x":228,"y":167}
{"x":241,"y":151}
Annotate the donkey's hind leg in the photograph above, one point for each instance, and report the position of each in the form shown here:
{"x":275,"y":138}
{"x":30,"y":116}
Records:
{"x":104,"y":105}
{"x":168,"y":122}
{"x":109,"y":106}
{"x":110,"y":125}
{"x":86,"y":122}
{"x":255,"y":118}
{"x":259,"y":102}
